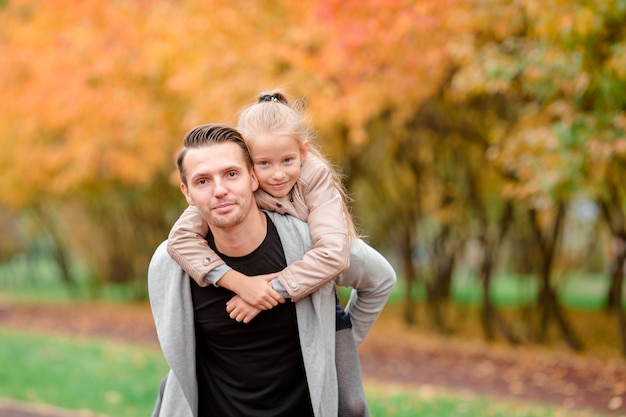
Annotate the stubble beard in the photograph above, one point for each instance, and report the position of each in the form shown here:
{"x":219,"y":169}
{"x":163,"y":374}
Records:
{"x":226,"y":223}
{"x":231,"y":219}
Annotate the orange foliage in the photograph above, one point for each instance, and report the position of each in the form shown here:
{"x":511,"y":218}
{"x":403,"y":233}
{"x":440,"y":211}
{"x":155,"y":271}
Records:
{"x":380,"y":56}
{"x":97,"y":93}
{"x":77,"y":103}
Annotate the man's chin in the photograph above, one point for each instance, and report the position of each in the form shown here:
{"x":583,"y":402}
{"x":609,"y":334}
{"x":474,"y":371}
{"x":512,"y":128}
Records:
{"x":225,"y":222}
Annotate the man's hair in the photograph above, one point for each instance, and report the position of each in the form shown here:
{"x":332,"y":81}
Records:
{"x":210,"y":134}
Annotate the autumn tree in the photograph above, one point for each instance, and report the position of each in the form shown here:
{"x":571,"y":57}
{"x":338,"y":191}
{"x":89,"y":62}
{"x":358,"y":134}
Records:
{"x":371,"y":66}
{"x":453,"y":122}
{"x":559,"y":64}
{"x":96,"y":98}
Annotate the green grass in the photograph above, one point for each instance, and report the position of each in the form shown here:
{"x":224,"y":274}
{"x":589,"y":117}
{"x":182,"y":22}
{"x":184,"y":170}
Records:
{"x":122,"y":380}
{"x":37,"y":279}
{"x":108,"y":378}
{"x":430,"y":402}
{"x":583,"y":291}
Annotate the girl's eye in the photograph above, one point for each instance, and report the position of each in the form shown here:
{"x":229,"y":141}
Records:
{"x":263,"y":163}
{"x":288,"y":161}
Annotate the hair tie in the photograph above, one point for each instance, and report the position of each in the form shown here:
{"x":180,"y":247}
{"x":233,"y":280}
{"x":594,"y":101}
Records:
{"x":269,"y":97}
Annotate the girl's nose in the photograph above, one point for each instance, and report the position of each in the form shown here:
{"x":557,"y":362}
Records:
{"x":278,"y":173}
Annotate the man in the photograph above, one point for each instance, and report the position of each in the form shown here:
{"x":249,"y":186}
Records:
{"x":281,"y":363}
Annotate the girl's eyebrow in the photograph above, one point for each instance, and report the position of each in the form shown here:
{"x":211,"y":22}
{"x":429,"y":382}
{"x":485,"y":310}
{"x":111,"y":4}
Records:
{"x":275,"y":155}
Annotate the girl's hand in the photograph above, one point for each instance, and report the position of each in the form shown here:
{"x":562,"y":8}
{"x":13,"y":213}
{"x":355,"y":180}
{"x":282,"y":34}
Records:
{"x":257,"y":291}
{"x":241,"y":311}
{"x":268,"y":277}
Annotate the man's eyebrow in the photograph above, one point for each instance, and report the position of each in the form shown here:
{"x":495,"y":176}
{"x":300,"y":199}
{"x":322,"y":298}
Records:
{"x":199,"y":175}
{"x":224,"y":170}
{"x":233,"y":168}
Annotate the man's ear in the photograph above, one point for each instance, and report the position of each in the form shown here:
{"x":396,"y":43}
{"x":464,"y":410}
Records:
{"x":185,"y":191}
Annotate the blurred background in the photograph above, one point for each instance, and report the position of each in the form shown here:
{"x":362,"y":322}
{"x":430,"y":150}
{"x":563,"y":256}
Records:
{"x":483,"y":143}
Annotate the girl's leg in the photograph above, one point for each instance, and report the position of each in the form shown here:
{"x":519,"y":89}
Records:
{"x":351,"y":395}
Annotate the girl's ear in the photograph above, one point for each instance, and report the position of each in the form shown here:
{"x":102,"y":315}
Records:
{"x":304,"y":150}
{"x":254,"y":180}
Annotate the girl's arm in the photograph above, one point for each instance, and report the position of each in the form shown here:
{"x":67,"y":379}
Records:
{"x":319,"y":203}
{"x":188,"y":247}
{"x":186,"y":244}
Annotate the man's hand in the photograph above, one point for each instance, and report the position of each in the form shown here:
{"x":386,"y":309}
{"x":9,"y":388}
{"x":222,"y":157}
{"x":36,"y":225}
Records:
{"x":256,"y":291}
{"x":241,"y":311}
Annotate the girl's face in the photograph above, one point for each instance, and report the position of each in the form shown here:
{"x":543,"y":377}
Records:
{"x":277,"y":162}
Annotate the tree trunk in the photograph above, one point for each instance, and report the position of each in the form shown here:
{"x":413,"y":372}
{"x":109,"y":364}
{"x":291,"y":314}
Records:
{"x":58,"y":251}
{"x":438,"y":290}
{"x":438,"y":300}
{"x":613,"y":215}
{"x":60,"y":255}
{"x":489,"y":314}
{"x":621,"y":319}
{"x":406,"y":253}
{"x":618,"y":257}
{"x":615,"y":298}
{"x":548,"y":301}
{"x":487,"y":310}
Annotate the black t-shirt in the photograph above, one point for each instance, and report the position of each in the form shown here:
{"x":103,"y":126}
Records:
{"x":253,"y":369}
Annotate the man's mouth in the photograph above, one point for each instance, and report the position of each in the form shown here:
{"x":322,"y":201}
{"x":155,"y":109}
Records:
{"x":223,"y":207}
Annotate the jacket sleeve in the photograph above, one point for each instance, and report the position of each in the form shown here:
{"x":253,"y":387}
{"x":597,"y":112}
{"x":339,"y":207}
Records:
{"x":330,"y":255}
{"x":172,"y":310}
{"x":372,"y":278}
{"x":188,"y":247}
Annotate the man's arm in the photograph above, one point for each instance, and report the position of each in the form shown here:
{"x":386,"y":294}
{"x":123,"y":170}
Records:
{"x":372,"y":278}
{"x":172,"y":309}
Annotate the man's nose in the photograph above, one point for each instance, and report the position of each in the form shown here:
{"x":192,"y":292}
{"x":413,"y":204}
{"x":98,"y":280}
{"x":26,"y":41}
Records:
{"x":220,"y":188}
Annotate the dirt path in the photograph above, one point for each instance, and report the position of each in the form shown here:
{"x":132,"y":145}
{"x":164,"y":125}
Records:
{"x":524,"y":374}
{"x":389,"y":355}
{"x":16,"y":409}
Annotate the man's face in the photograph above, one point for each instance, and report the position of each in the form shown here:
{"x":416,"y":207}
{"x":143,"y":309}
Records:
{"x":219,"y":184}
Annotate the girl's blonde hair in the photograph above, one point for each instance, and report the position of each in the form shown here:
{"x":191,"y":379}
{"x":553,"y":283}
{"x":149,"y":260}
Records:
{"x":274,"y":114}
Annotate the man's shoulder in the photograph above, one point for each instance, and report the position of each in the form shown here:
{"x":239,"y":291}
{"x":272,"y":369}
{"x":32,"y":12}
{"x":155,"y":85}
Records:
{"x":162,"y":263}
{"x":279,"y":218}
{"x":160,"y":253}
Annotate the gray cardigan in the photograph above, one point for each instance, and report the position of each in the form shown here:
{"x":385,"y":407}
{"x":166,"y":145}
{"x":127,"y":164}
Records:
{"x":170,"y":298}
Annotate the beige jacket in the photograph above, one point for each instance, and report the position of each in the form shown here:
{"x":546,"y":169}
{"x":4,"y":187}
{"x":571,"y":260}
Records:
{"x":314,"y":199}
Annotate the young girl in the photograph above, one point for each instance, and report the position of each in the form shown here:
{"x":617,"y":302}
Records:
{"x":294,"y":178}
